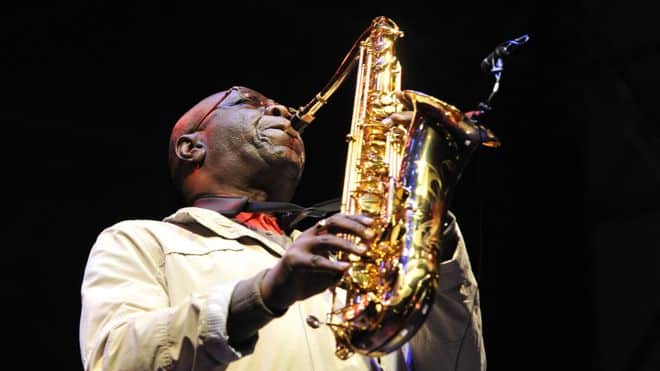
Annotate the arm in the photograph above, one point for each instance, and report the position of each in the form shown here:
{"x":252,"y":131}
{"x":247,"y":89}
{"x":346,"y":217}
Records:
{"x":127,"y":322}
{"x":303,"y":271}
{"x":451,"y":338}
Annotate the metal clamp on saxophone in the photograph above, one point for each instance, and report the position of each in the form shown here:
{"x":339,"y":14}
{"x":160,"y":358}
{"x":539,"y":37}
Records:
{"x":403,"y":178}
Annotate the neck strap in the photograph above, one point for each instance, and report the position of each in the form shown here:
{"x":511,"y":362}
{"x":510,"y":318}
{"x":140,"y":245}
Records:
{"x":230,"y":206}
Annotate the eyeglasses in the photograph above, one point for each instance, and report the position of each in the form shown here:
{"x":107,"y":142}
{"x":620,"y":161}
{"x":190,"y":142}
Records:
{"x":244,"y":96}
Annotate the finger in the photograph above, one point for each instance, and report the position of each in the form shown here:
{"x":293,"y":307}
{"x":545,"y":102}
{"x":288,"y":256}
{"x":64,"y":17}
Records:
{"x":328,"y":242}
{"x":360,"y":218}
{"x":324,"y":244}
{"x":317,"y":262}
{"x":401,"y":118}
{"x":355,"y":225}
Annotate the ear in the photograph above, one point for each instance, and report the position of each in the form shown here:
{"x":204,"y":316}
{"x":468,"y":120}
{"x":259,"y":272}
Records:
{"x":191,"y":148}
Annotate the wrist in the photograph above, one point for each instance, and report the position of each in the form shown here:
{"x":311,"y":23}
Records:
{"x":272,"y":300}
{"x":247,"y":311}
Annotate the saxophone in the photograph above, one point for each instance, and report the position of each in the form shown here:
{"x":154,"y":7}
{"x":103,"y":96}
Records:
{"x":402,"y":177}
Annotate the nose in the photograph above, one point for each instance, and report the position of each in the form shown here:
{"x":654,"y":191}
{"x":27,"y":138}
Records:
{"x":276,"y":109}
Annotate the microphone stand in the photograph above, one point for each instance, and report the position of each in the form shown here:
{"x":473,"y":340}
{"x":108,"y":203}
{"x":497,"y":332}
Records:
{"x":492,"y":64}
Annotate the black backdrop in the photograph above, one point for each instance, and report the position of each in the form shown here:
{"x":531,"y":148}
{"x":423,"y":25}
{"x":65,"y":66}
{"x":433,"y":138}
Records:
{"x":560,"y":221}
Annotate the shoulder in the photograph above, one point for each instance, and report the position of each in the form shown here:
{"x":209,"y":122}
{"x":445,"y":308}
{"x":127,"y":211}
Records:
{"x":126,"y":250}
{"x":136,"y":224}
{"x":135,"y":235}
{"x":138,"y":227}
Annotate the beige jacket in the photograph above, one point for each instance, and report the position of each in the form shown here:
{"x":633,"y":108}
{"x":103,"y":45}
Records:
{"x":155,"y":295}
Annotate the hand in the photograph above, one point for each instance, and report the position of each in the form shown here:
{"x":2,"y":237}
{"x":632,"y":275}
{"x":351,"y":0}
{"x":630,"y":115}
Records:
{"x":305,"y":270}
{"x":404,"y":117}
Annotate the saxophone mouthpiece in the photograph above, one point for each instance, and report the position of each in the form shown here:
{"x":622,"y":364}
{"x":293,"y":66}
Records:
{"x":300,"y":121}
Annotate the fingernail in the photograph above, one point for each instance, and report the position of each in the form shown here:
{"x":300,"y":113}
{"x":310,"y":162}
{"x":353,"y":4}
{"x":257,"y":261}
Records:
{"x":367,"y":220}
{"x":369,"y":233}
{"x":361,"y":248}
{"x":344,"y":265}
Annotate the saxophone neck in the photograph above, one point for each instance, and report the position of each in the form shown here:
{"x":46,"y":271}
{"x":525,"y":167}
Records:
{"x":304,"y":115}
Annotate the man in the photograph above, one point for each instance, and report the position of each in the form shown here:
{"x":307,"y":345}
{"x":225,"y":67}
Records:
{"x":214,"y":288}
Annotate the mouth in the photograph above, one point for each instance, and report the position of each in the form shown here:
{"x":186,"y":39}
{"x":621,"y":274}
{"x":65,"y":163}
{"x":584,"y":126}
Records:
{"x":279,"y":126}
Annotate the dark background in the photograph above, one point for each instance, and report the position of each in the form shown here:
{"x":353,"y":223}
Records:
{"x":561,"y":221}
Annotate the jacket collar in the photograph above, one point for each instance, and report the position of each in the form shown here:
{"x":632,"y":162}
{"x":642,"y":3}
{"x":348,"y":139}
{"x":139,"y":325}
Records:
{"x":223,"y":226}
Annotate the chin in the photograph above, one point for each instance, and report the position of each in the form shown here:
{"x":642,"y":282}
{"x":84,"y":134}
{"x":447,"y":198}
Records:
{"x":290,"y":162}
{"x":293,"y":171}
{"x":282,"y":190}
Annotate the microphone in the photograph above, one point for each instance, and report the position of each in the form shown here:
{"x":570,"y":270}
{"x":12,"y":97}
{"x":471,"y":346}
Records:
{"x":493,"y":62}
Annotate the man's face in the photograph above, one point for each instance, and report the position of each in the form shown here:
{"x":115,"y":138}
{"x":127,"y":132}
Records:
{"x":252,"y":130}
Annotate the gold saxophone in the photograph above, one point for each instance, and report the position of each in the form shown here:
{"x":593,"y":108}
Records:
{"x":402,"y":176}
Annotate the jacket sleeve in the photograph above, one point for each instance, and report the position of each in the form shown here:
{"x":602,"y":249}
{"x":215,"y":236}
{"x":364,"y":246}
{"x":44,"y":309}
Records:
{"x":127,"y":322}
{"x":451,"y":337}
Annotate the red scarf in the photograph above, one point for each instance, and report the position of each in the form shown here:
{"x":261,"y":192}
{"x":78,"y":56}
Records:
{"x":261,"y":221}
